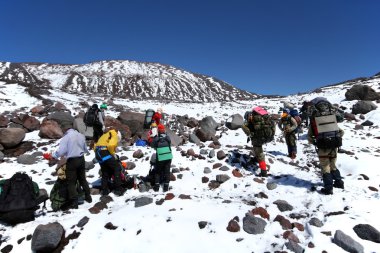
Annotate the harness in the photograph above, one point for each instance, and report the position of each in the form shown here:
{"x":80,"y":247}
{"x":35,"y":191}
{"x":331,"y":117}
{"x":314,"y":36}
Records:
{"x":98,"y":149}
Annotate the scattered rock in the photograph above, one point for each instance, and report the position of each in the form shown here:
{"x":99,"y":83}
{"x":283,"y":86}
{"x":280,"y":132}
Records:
{"x":347,"y":243}
{"x":283,"y":206}
{"x":47,"y":237}
{"x":233,"y":226}
{"x":367,"y":232}
{"x":316,"y":222}
{"x":253,"y":225}
{"x":143,"y":201}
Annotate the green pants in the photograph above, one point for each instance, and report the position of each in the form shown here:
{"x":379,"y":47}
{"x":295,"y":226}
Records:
{"x":259,"y":153}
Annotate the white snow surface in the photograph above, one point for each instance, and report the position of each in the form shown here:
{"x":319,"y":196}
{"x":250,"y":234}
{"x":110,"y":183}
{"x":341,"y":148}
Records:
{"x":173,"y":226}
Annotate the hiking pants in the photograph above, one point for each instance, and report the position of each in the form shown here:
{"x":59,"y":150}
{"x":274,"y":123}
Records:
{"x":162,"y":170}
{"x":291,"y":142}
{"x":98,"y":131}
{"x":109,"y":168}
{"x":259,"y":153}
{"x":327,"y":159}
{"x":75,"y":170}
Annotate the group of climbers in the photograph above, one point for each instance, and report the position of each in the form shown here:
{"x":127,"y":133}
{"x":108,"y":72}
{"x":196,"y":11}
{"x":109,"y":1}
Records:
{"x":321,"y":118}
{"x":258,"y":125}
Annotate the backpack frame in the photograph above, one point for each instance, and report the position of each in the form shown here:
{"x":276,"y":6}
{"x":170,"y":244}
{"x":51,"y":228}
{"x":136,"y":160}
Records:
{"x":324,"y":122}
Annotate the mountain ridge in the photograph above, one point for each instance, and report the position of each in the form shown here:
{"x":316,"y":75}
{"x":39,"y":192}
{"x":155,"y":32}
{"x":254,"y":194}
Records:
{"x":125,"y":79}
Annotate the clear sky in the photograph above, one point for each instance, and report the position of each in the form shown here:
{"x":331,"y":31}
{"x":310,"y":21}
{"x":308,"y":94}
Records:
{"x":267,"y":47}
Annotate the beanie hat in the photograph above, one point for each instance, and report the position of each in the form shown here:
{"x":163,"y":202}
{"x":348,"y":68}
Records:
{"x":103,"y":106}
{"x":161,"y":128}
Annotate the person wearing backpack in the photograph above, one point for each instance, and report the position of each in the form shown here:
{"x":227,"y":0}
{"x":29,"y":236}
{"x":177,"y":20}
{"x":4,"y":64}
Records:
{"x":260,"y":129}
{"x":288,"y":125}
{"x":162,"y":144}
{"x":157,"y":116}
{"x":73,"y":147}
{"x":105,"y":155}
{"x":326,"y":135}
{"x":95,"y":118}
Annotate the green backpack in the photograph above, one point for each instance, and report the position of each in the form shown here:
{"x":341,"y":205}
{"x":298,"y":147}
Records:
{"x":263,"y":128}
{"x":58,"y":195}
{"x":164,"y":153}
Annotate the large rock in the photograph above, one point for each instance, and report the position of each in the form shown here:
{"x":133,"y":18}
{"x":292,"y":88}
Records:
{"x":367,"y":232}
{"x":253,"y":225}
{"x":363,"y":107}
{"x":361,"y":92}
{"x":50,"y":129}
{"x":134,"y":120}
{"x":47,"y":237}
{"x":209,"y":125}
{"x":79,"y":125}
{"x":61,"y":117}
{"x":175,"y":139}
{"x":235,"y":122}
{"x":11,"y":137}
{"x":31,"y":123}
{"x":347,"y":243}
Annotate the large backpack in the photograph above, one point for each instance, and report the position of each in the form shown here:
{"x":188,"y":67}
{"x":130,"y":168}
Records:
{"x":262,"y":126}
{"x":295,"y":114}
{"x":18,"y":199}
{"x":91,"y":116}
{"x":163,"y":149}
{"x":324,"y":122}
{"x":148,"y":118}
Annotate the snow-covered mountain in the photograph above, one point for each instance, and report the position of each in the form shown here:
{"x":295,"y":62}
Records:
{"x":126,"y":79}
{"x":194,"y":216}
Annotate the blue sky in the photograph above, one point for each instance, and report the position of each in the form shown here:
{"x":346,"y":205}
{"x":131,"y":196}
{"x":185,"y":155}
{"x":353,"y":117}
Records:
{"x":267,"y":47}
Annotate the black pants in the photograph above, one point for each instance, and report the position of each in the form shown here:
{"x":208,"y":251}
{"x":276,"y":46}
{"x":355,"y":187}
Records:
{"x":98,"y":131}
{"x":110,"y":167}
{"x":75,"y":171}
{"x":162,"y":170}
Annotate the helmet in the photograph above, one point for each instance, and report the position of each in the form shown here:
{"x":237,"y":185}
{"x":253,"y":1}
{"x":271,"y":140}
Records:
{"x":103,"y":106}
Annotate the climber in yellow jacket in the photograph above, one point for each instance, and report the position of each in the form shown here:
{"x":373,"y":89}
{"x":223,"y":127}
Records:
{"x":105,"y":152}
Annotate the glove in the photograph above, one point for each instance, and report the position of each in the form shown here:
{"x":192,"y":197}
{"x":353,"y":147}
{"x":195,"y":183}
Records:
{"x":47,"y":156}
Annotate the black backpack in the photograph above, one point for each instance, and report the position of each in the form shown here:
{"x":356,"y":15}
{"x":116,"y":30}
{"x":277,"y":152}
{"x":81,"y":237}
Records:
{"x":18,"y":199}
{"x":324,"y":119}
{"x":91,"y":116}
{"x":148,"y":118}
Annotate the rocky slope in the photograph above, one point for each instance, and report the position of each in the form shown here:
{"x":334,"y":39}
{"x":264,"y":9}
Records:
{"x":125,"y":79}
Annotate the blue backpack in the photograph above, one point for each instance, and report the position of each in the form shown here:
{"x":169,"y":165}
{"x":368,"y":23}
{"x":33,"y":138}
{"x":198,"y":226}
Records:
{"x":295,"y":114}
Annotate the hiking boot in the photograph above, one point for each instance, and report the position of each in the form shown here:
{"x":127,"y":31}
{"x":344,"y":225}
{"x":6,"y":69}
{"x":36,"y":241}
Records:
{"x":119,"y":192}
{"x":263,"y":173}
{"x":339,"y":184}
{"x":105,"y":192}
{"x":326,"y":191}
{"x":293,"y":155}
{"x":88,"y":198}
{"x":328,"y":183}
{"x":73,"y":204}
{"x":166,"y":187}
{"x":156,"y":187}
